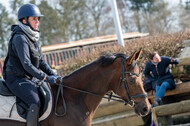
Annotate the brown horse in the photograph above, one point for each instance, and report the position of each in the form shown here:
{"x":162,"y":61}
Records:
{"x":84,"y":88}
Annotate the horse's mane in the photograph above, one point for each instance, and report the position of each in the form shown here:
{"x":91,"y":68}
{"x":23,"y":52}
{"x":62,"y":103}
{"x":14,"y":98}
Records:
{"x":105,"y":59}
{"x":108,"y":58}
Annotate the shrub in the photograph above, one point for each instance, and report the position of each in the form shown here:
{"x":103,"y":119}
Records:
{"x":167,"y":44}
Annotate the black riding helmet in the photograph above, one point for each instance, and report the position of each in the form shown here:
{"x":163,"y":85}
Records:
{"x":28,"y":10}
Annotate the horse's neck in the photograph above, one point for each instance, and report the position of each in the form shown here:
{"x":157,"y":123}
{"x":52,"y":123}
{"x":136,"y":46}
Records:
{"x":93,"y":80}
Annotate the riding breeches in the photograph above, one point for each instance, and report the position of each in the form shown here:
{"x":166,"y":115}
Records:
{"x":23,"y":88}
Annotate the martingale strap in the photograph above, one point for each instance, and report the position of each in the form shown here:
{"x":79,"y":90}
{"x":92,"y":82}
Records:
{"x":60,"y":92}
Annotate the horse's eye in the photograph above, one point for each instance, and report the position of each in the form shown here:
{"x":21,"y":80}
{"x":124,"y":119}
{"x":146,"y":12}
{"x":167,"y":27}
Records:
{"x":131,"y":81}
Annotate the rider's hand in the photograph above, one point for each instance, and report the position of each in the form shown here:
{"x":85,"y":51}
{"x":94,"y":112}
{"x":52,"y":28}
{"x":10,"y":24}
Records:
{"x":51,"y":79}
{"x":58,"y":77}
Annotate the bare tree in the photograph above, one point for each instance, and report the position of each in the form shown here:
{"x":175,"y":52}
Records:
{"x":5,"y":26}
{"x":96,"y":8}
{"x":184,"y":16}
{"x":158,"y":19}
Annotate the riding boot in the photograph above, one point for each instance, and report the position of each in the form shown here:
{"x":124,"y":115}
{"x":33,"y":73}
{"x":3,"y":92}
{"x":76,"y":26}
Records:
{"x":33,"y":115}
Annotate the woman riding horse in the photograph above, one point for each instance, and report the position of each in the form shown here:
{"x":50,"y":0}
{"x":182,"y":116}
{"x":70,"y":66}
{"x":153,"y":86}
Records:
{"x":84,"y":89}
{"x":24,"y":59}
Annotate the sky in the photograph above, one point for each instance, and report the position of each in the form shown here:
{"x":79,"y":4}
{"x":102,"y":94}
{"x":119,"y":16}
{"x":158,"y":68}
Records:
{"x":4,"y":2}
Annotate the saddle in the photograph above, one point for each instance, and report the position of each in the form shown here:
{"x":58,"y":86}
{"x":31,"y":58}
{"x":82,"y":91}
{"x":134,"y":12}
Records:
{"x":22,"y":108}
{"x":4,"y":89}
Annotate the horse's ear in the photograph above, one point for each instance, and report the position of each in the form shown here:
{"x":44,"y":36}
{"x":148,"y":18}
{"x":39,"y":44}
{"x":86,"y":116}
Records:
{"x":131,"y":58}
{"x":138,"y":54}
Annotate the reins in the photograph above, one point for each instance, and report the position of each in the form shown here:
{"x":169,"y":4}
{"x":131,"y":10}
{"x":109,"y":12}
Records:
{"x":110,"y":95}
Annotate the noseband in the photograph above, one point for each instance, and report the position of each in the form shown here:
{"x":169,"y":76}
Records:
{"x":123,"y":79}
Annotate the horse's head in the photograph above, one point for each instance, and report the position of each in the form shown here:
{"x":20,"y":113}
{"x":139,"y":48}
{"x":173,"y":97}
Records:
{"x":130,"y":87}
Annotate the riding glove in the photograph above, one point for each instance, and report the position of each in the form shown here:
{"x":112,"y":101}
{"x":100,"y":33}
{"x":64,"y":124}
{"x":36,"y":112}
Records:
{"x":51,"y":79}
{"x":57,"y":76}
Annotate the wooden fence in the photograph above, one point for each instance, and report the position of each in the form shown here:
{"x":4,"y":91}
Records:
{"x":56,"y":54}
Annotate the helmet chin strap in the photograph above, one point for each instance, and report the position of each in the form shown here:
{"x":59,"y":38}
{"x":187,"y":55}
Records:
{"x":28,"y":24}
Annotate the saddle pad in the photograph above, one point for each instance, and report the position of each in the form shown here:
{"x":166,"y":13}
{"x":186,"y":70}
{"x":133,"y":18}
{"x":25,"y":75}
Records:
{"x":8,"y":102}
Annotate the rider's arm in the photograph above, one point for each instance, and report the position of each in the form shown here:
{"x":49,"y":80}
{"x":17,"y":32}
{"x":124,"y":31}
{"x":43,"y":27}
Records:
{"x":45,"y":67}
{"x":147,"y":71}
{"x":21,"y":48}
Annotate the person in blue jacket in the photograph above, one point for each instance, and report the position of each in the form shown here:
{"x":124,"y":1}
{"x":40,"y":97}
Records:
{"x":157,"y":70}
{"x":25,"y":61}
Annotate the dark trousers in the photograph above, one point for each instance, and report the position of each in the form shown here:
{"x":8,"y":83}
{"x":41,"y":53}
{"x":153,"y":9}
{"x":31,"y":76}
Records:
{"x":23,"y":88}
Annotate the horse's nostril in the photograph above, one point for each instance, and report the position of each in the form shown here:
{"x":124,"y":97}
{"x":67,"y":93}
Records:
{"x":145,"y":109}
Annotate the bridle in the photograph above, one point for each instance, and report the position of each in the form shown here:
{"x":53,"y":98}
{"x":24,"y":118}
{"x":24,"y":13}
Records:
{"x":110,"y":95}
{"x":123,"y":79}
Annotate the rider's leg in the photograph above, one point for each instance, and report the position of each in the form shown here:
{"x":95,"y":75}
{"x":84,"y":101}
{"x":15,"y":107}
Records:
{"x":33,"y":115}
{"x":27,"y":91}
